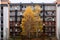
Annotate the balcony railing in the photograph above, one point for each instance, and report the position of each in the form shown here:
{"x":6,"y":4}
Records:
{"x":50,"y":14}
{"x":19,"y":13}
{"x":50,"y":8}
{"x":12,"y":14}
{"x":15,"y":8}
{"x":49,"y":19}
{"x":12,"y":19}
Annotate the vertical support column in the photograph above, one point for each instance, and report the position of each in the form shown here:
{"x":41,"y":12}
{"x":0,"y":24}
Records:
{"x":0,"y":22}
{"x":43,"y":18}
{"x":15,"y":16}
{"x":58,"y":22}
{"x":43,"y":12}
{"x":5,"y":23}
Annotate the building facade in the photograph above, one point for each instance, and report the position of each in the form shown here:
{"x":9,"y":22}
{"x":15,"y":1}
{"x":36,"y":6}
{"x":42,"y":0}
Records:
{"x":4,"y":23}
{"x":12,"y":14}
{"x":48,"y":15}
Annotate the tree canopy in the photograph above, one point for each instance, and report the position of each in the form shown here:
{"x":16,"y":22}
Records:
{"x":31,"y":21}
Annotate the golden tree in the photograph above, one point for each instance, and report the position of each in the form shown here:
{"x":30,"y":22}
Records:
{"x":31,"y":21}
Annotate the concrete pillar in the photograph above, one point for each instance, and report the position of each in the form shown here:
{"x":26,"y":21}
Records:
{"x":58,"y":21}
{"x":5,"y":23}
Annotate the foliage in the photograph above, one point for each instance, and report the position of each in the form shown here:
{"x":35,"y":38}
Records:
{"x":31,"y":21}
